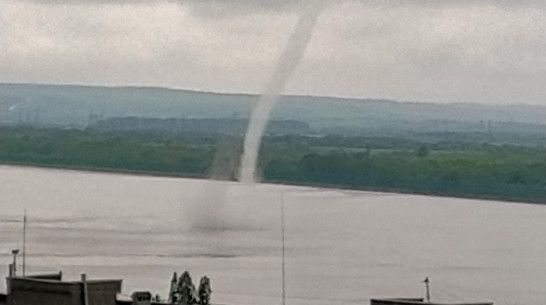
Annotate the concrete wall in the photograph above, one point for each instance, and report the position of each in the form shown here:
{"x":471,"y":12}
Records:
{"x":25,"y":291}
{"x":103,"y":292}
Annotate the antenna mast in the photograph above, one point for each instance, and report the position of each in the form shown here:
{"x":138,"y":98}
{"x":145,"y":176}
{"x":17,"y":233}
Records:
{"x":24,"y":241}
{"x":427,"y":281}
{"x":283,"y":252}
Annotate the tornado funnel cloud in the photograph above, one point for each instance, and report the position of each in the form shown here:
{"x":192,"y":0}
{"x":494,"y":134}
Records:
{"x":289,"y":59}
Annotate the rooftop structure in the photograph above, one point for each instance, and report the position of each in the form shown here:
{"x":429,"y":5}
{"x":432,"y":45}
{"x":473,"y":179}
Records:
{"x":417,"y":301}
{"x":51,"y":290}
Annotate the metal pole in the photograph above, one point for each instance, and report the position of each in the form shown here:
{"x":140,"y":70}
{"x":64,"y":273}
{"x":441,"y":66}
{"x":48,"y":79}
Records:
{"x":427,"y":281}
{"x":24,"y":241}
{"x":283,"y":252}
{"x":84,"y":288}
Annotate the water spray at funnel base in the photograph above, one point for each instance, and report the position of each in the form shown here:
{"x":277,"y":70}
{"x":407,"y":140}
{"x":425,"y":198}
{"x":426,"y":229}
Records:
{"x":290,"y":57}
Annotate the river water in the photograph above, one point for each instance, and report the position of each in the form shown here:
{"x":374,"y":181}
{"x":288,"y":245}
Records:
{"x":342,"y":247}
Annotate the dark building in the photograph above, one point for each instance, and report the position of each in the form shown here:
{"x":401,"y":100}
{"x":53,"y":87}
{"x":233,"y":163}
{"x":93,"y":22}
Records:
{"x":51,"y":290}
{"x":141,"y":298}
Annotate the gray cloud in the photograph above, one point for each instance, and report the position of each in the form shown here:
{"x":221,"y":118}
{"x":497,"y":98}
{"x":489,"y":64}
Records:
{"x":259,"y":5}
{"x":474,"y":51}
{"x":221,"y":9}
{"x":267,"y":5}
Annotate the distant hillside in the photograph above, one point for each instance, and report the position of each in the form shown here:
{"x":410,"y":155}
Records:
{"x":74,"y":105}
{"x":77,"y":106}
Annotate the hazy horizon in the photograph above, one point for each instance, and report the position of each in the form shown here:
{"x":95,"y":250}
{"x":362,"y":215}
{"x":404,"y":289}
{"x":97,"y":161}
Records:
{"x":256,"y":94}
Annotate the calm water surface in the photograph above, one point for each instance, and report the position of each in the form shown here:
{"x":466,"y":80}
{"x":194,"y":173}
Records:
{"x":342,"y":247}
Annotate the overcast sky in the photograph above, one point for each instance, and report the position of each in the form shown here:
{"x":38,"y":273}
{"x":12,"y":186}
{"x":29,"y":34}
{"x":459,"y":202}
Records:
{"x":481,"y":51}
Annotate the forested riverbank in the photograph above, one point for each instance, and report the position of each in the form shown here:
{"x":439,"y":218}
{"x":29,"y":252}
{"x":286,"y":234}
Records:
{"x":456,"y":168}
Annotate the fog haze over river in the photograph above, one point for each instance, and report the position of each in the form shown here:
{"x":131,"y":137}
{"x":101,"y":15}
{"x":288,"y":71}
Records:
{"x":342,"y":247}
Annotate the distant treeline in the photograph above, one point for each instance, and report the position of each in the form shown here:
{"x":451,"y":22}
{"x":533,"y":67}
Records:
{"x":501,"y":174}
{"x":230,"y":126}
{"x":91,"y":149}
{"x":452,"y":167}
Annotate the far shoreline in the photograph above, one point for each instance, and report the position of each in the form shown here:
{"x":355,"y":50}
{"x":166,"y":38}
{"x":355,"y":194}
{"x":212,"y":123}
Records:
{"x":129,"y":172}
